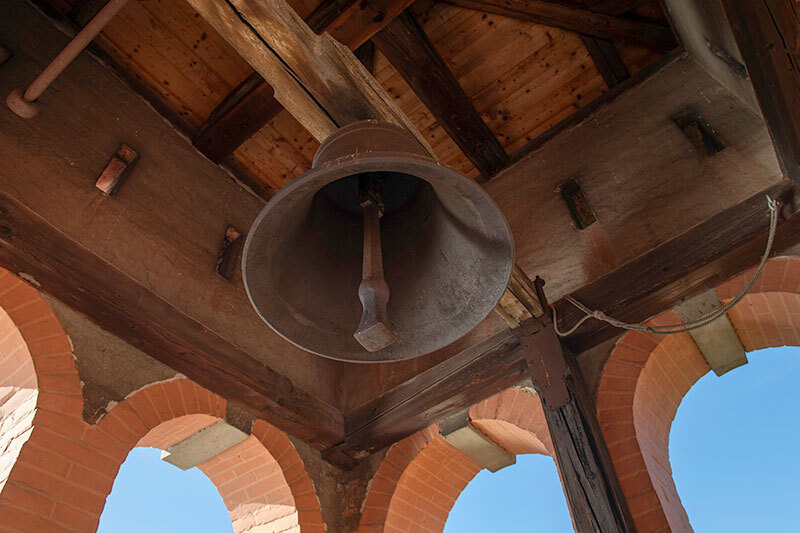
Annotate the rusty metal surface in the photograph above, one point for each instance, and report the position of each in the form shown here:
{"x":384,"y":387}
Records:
{"x":447,"y":249}
{"x":546,"y":364}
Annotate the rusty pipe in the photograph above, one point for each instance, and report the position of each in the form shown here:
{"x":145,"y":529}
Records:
{"x":23,"y":103}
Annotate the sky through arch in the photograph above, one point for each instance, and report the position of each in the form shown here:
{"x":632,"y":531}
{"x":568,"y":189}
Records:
{"x":733,"y":446}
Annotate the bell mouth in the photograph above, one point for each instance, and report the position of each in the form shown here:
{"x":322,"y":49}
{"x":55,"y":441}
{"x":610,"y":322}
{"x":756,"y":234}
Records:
{"x":448,"y":252}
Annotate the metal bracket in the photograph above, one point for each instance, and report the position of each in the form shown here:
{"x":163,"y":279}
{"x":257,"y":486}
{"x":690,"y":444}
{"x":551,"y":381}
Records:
{"x":546,"y":364}
{"x":544,"y":354}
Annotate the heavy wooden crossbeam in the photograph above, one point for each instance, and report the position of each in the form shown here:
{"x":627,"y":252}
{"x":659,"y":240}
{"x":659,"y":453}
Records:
{"x":579,"y":20}
{"x":413,"y":55}
{"x":79,"y":278}
{"x":768,"y":35}
{"x":248,"y":107}
{"x":607,"y":59}
{"x":698,"y":259}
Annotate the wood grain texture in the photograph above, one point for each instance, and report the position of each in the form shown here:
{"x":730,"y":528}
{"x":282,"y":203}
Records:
{"x":590,"y":481}
{"x":688,"y":264}
{"x":453,"y":384}
{"x":578,"y":20}
{"x":243,"y":112}
{"x":701,"y":258}
{"x":406,"y":46}
{"x":80,"y":279}
{"x":247,"y":39}
{"x":607,"y":59}
{"x":768,"y":35}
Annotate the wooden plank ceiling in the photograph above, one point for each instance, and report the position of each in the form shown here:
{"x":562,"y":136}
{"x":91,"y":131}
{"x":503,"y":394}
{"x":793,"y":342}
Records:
{"x":521,"y":77}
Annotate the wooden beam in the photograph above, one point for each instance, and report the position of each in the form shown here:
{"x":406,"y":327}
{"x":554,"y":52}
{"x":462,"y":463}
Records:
{"x":82,"y":280}
{"x":353,"y":23}
{"x":607,"y":59}
{"x":767,"y":33}
{"x":410,"y":51}
{"x":700,"y":258}
{"x":590,"y":482}
{"x":614,"y":7}
{"x":243,"y":112}
{"x":442,"y":390}
{"x":579,"y":20}
{"x":248,"y":107}
{"x":289,"y":90}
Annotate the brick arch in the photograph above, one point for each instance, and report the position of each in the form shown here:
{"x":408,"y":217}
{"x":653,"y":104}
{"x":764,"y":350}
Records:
{"x":419,"y":480}
{"x":646,"y":378}
{"x":58,"y":470}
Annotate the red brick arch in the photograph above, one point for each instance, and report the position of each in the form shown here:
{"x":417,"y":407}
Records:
{"x":56,"y":470}
{"x":421,"y":476}
{"x":646,"y":377}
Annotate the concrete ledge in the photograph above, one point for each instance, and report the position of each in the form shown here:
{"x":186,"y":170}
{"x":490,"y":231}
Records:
{"x":203,"y":445}
{"x":475,"y":444}
{"x":718,"y":341}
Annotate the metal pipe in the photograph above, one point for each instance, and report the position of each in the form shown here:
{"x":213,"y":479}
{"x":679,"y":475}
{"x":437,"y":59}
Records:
{"x":22,"y":103}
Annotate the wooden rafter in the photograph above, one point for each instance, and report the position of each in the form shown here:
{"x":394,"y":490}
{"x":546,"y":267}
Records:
{"x":414,"y":56}
{"x":607,"y":59}
{"x":613,"y":7}
{"x":248,"y":107}
{"x":579,"y":20}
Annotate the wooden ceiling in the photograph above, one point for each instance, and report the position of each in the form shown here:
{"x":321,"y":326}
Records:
{"x":521,"y":77}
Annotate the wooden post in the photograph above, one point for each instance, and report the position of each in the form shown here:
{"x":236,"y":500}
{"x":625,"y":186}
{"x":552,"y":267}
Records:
{"x":593,"y":491}
{"x":768,"y":35}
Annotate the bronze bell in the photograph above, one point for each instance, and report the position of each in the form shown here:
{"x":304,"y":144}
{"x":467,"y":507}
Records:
{"x":377,"y":219}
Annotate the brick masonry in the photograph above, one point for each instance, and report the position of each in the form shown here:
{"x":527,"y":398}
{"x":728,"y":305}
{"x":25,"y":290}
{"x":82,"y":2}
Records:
{"x":646,"y":377}
{"x":56,"y":470}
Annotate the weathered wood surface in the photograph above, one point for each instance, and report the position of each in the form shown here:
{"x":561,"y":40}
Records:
{"x":316,"y":78}
{"x":607,"y":60}
{"x":404,"y":43}
{"x":352,"y":22}
{"x":590,"y":482}
{"x":768,"y":35}
{"x":579,"y":20}
{"x":627,"y":171}
{"x":246,"y":39}
{"x":681,"y":267}
{"x":701,"y":258}
{"x":243,"y":112}
{"x":248,"y":107}
{"x":62,"y":268}
{"x":704,"y":32}
{"x":441,"y":390}
{"x":164,"y":226}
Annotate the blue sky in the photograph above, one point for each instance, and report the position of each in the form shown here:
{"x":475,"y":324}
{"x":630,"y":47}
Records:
{"x":733,"y":449}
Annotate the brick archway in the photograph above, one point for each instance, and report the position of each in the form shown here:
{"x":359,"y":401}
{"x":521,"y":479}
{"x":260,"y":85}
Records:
{"x":419,"y":480}
{"x":646,"y":377}
{"x":57,"y":470}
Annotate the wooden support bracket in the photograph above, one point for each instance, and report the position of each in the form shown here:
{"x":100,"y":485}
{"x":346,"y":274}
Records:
{"x":117,"y":170}
{"x":228,"y":251}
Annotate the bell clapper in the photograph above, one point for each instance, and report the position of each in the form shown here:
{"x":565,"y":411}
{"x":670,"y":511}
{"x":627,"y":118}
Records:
{"x":373,"y":331}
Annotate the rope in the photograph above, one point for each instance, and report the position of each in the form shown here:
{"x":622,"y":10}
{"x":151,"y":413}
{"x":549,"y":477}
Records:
{"x":686,"y":326}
